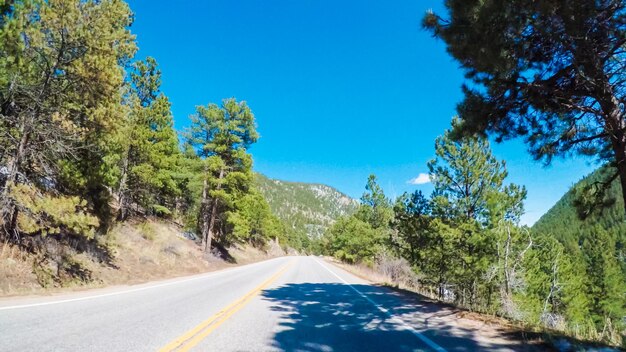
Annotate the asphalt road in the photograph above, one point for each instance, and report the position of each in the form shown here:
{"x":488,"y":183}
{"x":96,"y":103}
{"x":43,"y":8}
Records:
{"x":283,"y":304}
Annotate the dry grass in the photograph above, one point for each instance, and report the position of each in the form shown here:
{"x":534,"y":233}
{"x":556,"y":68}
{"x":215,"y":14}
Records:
{"x":248,"y":254}
{"x":393,"y":275}
{"x":142,"y":251}
{"x":16,"y":271}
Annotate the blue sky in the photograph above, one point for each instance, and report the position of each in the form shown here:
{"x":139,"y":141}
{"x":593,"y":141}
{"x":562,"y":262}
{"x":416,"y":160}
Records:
{"x":340,"y":89}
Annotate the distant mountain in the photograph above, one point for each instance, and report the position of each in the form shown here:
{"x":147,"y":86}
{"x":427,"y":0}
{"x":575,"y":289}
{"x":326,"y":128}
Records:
{"x":562,"y":220}
{"x":306,"y":207}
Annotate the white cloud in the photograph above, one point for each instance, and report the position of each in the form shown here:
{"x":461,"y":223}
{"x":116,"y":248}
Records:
{"x":421,"y":179}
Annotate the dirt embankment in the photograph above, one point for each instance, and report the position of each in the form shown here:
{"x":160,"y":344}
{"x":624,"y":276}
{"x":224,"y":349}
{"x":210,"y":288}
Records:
{"x":132,"y":252}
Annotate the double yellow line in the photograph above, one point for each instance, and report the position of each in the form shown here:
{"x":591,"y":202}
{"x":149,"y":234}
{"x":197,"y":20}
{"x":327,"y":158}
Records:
{"x":194,"y":336}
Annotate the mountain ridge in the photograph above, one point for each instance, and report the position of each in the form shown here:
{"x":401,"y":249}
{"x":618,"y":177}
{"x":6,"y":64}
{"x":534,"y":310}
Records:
{"x":308,"y":208}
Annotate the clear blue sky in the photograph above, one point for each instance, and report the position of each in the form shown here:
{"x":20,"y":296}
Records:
{"x":340,"y":89}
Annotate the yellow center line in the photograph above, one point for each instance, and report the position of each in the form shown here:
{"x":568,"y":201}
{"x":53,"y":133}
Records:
{"x":194,"y":336}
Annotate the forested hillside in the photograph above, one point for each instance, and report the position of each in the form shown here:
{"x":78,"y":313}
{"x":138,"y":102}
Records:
{"x":87,"y":142}
{"x":306,"y":208}
{"x":464,"y":244}
{"x":564,"y":223}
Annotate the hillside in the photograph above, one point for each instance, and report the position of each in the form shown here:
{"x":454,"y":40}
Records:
{"x":132,"y":252}
{"x":305,"y":207}
{"x":562,"y":220}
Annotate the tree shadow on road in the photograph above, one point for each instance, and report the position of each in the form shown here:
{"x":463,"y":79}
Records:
{"x":333,"y":317}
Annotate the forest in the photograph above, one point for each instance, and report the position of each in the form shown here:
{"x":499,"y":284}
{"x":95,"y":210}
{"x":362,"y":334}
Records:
{"x":87,"y":137}
{"x":464,"y":244}
{"x":87,"y":141}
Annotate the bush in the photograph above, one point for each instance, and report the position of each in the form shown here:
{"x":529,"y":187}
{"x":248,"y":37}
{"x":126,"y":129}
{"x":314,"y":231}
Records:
{"x":398,"y":270}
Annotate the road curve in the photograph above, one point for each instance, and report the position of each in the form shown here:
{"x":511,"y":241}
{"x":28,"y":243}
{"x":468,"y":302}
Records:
{"x":282,"y":304}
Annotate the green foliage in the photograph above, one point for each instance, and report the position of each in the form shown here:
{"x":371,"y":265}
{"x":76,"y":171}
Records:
{"x":83,"y":126}
{"x":149,"y":151}
{"x":220,"y":136}
{"x":606,"y":279}
{"x":594,"y":241}
{"x":468,"y":182}
{"x":550,"y":71}
{"x":352,"y":240}
{"x":253,"y":221}
{"x":375,"y":207}
{"x":359,"y":237}
{"x":553,"y":285}
{"x":306,"y":209}
{"x":61,"y":73}
{"x":563,"y":220}
{"x":46,"y":214}
{"x":470,"y":205}
{"x":412,"y":225}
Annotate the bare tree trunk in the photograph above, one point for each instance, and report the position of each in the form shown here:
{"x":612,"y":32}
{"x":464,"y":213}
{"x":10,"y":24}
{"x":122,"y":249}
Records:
{"x":507,"y":278}
{"x":203,"y":211}
{"x":210,"y":229}
{"x":9,"y":208}
{"x":121,"y":193}
{"x":554,"y":285}
{"x":617,"y":134}
{"x":619,"y":148}
{"x":615,"y":126}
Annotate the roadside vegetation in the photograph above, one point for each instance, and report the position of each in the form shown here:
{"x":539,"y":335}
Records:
{"x":87,"y":145}
{"x":93,"y":175}
{"x":552,"y":73}
{"x":464,"y":245}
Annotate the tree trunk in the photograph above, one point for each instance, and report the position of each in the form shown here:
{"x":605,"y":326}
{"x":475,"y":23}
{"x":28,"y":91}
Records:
{"x":9,"y":208}
{"x":616,"y":127}
{"x":211,"y":227}
{"x":619,"y":148}
{"x":204,"y":213}
{"x":614,"y":123}
{"x":213,"y":215}
{"x":121,"y":193}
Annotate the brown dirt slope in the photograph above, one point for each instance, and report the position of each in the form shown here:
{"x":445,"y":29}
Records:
{"x":139,"y":251}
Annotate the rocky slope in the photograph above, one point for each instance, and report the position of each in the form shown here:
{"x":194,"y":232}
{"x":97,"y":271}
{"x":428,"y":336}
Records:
{"x":305,"y":207}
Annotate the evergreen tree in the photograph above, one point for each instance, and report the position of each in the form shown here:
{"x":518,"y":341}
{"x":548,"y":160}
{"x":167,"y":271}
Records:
{"x":61,"y":73}
{"x":471,"y":199}
{"x":375,"y":207}
{"x":150,"y":153}
{"x":412,"y":222}
{"x":352,"y":240}
{"x":221,"y":136}
{"x":469,"y":181}
{"x":555,"y":285}
{"x":253,"y":221}
{"x":551,"y":71}
{"x":607,"y":282}
{"x":359,"y":237}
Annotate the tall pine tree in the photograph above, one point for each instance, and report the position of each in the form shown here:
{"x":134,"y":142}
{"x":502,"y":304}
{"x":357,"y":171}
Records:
{"x":221,"y":136}
{"x":149,"y":155}
{"x":61,"y":73}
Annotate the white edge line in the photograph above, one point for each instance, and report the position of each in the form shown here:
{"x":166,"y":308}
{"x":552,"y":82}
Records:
{"x":425,"y":339}
{"x":201,"y":276}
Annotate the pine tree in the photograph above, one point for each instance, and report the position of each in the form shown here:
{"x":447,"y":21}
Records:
{"x":412,"y":222}
{"x":353,"y":240}
{"x":149,"y":154}
{"x":607,"y":282}
{"x":555,"y":285}
{"x":221,"y":136}
{"x":471,"y":198}
{"x":252,"y":221}
{"x":375,"y":207}
{"x":61,"y":73}
{"x":551,"y":71}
